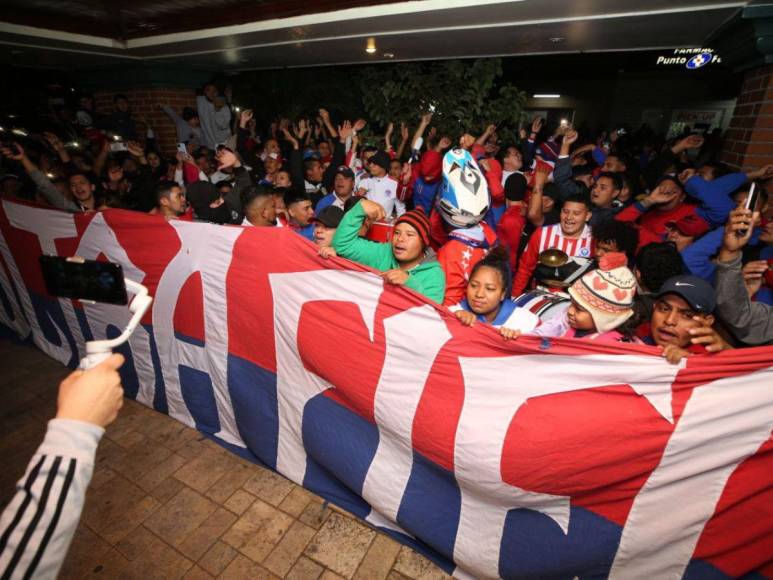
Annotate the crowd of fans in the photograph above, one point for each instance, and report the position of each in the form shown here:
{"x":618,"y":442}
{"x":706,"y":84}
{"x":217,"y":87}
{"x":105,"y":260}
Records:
{"x":618,"y":236}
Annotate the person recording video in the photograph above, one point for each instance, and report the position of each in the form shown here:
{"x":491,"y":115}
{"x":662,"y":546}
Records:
{"x":37,"y":526}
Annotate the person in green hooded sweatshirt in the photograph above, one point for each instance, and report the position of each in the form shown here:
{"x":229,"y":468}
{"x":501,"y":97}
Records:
{"x":406,"y":261}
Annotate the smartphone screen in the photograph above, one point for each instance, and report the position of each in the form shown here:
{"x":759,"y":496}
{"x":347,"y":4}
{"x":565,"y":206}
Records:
{"x":753,"y":197}
{"x":87,"y":280}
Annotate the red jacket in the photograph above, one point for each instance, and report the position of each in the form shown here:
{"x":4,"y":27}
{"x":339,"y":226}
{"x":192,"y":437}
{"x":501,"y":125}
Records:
{"x":457,"y":257}
{"x":509,"y":232}
{"x":494,"y":181}
{"x":652,"y":223}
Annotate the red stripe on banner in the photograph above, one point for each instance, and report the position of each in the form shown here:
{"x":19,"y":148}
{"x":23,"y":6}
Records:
{"x":634,"y":436}
{"x":744,"y":513}
{"x":189,"y":311}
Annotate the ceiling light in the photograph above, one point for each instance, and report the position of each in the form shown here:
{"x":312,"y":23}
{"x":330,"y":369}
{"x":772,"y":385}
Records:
{"x":546,"y":96}
{"x":389,"y":55}
{"x":371,"y":47}
{"x":556,"y":39}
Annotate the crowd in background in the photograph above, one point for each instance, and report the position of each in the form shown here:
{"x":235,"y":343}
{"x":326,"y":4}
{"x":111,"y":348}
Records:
{"x":615,"y":236}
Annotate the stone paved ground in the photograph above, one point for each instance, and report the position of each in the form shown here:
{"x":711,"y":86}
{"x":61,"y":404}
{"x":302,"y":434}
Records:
{"x":165,"y":502}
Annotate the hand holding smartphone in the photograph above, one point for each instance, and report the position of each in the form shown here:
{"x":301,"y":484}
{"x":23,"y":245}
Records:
{"x":81,"y":279}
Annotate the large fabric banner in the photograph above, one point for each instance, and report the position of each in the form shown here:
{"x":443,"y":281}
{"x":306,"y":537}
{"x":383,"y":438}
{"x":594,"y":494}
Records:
{"x":532,"y":458}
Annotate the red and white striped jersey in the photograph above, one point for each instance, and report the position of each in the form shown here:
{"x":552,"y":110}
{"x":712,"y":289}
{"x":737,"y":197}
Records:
{"x":546,"y":238}
{"x":551,"y":237}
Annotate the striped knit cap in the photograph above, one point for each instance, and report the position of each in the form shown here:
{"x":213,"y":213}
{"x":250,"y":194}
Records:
{"x":418,"y":220}
{"x":607,"y":293}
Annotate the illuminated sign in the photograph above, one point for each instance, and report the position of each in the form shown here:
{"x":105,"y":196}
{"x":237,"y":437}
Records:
{"x":691,"y":58}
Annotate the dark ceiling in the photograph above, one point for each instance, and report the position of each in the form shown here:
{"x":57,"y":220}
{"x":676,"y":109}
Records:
{"x":123,"y":20}
{"x":232,"y":36}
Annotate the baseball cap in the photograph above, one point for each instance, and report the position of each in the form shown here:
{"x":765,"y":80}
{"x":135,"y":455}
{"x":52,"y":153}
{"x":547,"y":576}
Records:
{"x":330,"y":216}
{"x":346,"y":171}
{"x":690,"y":225}
{"x":698,"y":293}
{"x":310,"y":154}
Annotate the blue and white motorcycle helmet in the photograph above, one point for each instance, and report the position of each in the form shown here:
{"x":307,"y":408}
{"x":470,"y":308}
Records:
{"x":464,"y":197}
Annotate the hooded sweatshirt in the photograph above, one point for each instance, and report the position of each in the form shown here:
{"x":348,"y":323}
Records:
{"x":426,"y":278}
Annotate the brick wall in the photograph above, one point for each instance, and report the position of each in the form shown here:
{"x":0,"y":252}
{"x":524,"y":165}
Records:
{"x":144,"y":105}
{"x":749,"y":140}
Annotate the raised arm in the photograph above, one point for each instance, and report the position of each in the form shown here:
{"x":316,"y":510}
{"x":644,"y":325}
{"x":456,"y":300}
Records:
{"x":486,"y":134}
{"x":47,"y":189}
{"x":403,"y":141}
{"x":750,"y":322}
{"x":325,"y":116}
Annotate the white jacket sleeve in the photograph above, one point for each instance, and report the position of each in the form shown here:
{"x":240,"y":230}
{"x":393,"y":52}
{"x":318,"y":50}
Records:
{"x":37,"y":526}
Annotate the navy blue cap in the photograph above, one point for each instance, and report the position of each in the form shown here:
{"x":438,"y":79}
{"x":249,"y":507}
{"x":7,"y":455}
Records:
{"x":698,"y":293}
{"x":346,"y":171}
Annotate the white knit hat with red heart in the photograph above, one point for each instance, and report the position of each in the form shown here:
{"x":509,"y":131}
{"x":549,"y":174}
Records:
{"x":607,"y":293}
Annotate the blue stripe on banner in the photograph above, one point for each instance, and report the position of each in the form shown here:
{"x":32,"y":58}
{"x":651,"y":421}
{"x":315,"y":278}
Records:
{"x":199,"y":397}
{"x":340,"y":445}
{"x":432,"y":503}
{"x":159,"y":394}
{"x":47,"y":310}
{"x":84,"y":324}
{"x":189,"y":339}
{"x":532,"y":539}
{"x":253,"y":396}
{"x":700,"y":570}
{"x":129,"y":380}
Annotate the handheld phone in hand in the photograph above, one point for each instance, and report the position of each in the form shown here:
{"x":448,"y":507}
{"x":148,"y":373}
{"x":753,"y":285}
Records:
{"x":118,"y":146}
{"x":753,"y":198}
{"x":182,"y":148}
{"x":750,"y":204}
{"x":81,"y":279}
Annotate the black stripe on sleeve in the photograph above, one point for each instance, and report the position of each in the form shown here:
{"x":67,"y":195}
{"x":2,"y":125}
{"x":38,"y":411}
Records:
{"x":54,"y":520}
{"x":20,"y":549}
{"x":23,"y":507}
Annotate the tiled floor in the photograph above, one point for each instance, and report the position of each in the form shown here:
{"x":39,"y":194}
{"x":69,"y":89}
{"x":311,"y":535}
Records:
{"x":165,"y":502}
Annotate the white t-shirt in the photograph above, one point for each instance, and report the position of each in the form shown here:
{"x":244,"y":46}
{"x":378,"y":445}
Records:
{"x":520,"y":319}
{"x":383,"y":190}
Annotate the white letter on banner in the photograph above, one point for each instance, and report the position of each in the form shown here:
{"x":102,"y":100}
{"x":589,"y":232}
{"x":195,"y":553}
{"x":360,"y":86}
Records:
{"x":207,"y":249}
{"x":47,"y":225}
{"x":407,"y":365}
{"x":100,"y":238}
{"x":723,"y":424}
{"x":294,"y":384}
{"x":494,"y":390}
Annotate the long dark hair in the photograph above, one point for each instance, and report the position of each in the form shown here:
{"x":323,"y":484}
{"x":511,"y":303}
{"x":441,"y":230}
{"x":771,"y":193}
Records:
{"x":499,"y":260}
{"x":629,"y":327}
